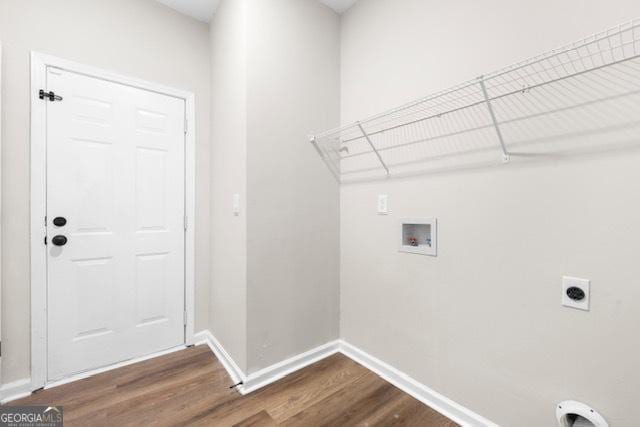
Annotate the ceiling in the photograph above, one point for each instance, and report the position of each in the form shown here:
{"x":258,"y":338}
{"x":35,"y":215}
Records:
{"x":339,"y":5}
{"x":203,"y":10}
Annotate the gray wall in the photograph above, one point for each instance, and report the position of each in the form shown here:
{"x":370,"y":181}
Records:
{"x":164,"y":47}
{"x":482,"y":322}
{"x":275,"y":277}
{"x":292,"y":200}
{"x":229,"y":177}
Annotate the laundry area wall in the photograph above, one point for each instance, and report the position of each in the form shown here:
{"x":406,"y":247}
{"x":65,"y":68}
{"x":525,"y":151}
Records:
{"x":482,"y":322}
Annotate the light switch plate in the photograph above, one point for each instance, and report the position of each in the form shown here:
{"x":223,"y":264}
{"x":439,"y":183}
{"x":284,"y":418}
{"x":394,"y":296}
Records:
{"x":383,"y":204}
{"x":583,"y":284}
{"x":236,"y":204}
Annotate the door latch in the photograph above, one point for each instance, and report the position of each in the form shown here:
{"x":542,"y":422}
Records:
{"x":51,"y":96}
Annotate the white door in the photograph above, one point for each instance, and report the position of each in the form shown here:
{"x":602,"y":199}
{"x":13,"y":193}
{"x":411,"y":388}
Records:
{"x":116,"y":175}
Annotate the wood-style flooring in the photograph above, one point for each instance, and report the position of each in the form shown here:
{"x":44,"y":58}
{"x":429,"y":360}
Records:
{"x":190,"y":387}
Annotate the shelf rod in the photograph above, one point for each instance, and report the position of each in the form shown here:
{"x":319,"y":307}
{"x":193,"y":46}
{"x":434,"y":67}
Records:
{"x":505,"y":153}
{"x":597,"y":38}
{"x":495,"y":98}
{"x":366,"y":136}
{"x":324,"y":158}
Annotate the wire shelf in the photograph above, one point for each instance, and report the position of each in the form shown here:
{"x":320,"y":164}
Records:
{"x":574,"y":92}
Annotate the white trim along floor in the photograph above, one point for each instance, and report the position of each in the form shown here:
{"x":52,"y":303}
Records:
{"x":270,"y":374}
{"x":256,"y":380}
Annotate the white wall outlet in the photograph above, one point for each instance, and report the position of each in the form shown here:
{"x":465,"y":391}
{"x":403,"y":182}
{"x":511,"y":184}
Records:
{"x":236,"y":204}
{"x":575,"y":293}
{"x":383,"y":204}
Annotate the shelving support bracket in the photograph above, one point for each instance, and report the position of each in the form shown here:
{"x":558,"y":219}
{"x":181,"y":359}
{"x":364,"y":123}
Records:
{"x":366,"y":136}
{"x":505,"y":153}
{"x":313,"y":142}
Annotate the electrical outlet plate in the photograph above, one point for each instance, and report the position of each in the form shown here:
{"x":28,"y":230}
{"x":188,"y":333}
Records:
{"x":383,"y":204}
{"x":584,"y":284}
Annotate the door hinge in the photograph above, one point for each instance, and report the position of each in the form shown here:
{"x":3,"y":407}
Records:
{"x":186,"y":222}
{"x":186,"y":126}
{"x":184,"y":318}
{"x":51,"y":96}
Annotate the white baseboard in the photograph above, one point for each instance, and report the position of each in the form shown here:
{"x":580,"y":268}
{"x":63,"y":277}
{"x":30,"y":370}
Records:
{"x":279,"y":370}
{"x":252,"y":382}
{"x":232,"y":368}
{"x":447,"y":407}
{"x":268,"y":375}
{"x":15,"y":390}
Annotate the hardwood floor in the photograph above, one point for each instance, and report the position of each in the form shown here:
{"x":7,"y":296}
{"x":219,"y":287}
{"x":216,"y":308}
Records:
{"x":190,"y":387}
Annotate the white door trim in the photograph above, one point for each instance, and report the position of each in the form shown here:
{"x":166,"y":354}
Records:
{"x":39,"y":64}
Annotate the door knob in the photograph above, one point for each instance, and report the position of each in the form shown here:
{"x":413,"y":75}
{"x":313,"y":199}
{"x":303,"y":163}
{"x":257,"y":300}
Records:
{"x":59,"y":240}
{"x":59,"y":221}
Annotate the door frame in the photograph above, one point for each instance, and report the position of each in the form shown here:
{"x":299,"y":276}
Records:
{"x":39,"y":64}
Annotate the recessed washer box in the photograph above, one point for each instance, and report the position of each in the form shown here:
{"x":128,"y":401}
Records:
{"x":419,"y":236}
